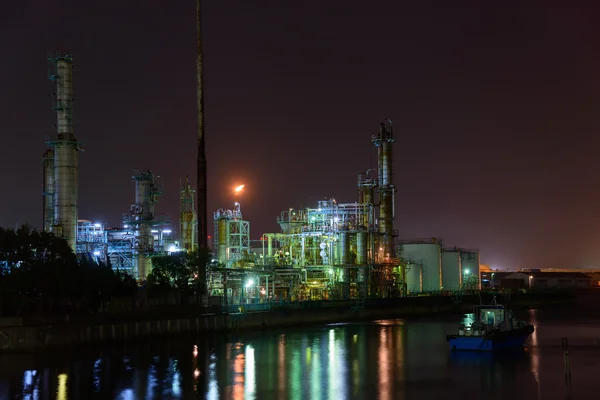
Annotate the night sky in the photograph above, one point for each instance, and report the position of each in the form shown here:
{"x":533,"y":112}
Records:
{"x":495,"y":110}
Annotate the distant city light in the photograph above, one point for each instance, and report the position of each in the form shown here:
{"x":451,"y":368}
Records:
{"x":167,"y":231}
{"x":173,"y":249}
{"x":125,"y":226}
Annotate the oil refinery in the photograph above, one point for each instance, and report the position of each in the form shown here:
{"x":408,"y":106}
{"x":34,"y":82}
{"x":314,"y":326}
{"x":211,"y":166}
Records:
{"x":333,"y":250}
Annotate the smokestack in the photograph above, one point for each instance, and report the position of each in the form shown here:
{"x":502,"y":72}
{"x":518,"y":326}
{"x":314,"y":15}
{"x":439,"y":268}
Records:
{"x":201,"y":162}
{"x":65,"y":152}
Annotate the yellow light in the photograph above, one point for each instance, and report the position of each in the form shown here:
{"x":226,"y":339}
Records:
{"x":61,"y":390}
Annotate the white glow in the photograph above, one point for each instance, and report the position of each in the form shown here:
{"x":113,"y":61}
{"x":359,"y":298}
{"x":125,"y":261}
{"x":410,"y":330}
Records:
{"x":97,"y":225}
{"x":125,"y":226}
{"x":249,"y":283}
{"x":96,"y":253}
{"x":249,"y":374}
{"x":213,"y":386}
{"x":167,"y":231}
{"x":172,"y":249}
{"x":467,"y":272}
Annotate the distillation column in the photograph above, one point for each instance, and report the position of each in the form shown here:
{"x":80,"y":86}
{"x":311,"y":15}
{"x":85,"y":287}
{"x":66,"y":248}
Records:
{"x":383,"y":141}
{"x":65,"y":152}
{"x":142,"y":219}
{"x":188,"y":218}
{"x":48,"y":191}
{"x":344,"y":252}
{"x":361,"y":261}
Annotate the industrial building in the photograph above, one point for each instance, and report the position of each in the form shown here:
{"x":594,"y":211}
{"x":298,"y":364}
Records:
{"x":143,"y":234}
{"x":334,"y":250}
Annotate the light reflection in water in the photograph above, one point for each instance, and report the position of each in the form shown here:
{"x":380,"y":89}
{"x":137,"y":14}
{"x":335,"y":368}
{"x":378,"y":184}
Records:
{"x":238,"y":380}
{"x":250,"y":387}
{"x":341,"y":362}
{"x":295,"y":375}
{"x":315,"y":370}
{"x":61,"y":391}
{"x":281,"y":367}
{"x":535,"y":353}
{"x":213,"y":385}
{"x":331,"y":367}
{"x":384,"y":366}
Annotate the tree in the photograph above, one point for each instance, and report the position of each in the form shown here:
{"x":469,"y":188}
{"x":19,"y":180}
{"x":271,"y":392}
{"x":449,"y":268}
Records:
{"x":176,"y":273}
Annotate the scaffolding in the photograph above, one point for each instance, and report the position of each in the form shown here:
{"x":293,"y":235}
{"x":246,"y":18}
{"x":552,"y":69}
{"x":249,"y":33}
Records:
{"x":232,"y":235}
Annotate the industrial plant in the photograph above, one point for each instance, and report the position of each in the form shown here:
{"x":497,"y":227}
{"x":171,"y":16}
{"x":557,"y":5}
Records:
{"x":333,"y":250}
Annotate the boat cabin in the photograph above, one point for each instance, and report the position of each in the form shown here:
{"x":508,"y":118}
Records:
{"x":487,"y":319}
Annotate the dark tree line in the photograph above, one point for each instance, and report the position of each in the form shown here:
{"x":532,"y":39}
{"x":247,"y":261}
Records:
{"x":176,"y":275}
{"x":40,"y":275}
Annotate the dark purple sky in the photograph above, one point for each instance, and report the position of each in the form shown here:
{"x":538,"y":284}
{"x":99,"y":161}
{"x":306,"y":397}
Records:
{"x":495,"y":109}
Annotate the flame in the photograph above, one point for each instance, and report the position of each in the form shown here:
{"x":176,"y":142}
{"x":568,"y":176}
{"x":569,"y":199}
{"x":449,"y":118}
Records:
{"x":239,"y":188}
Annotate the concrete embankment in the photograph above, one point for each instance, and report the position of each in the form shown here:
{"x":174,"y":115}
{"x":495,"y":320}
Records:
{"x":27,"y":338}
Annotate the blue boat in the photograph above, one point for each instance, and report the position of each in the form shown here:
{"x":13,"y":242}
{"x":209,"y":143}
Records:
{"x":490,"y":328}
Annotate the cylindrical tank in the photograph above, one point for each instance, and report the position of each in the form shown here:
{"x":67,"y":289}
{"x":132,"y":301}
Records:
{"x":222,"y":241}
{"x":413,"y":278}
{"x":429,"y":255}
{"x":344,"y":245}
{"x":345,"y":283}
{"x":451,"y":267}
{"x":361,"y":247}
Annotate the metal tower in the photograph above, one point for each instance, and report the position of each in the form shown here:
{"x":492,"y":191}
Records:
{"x":141,"y":219}
{"x":383,"y":141}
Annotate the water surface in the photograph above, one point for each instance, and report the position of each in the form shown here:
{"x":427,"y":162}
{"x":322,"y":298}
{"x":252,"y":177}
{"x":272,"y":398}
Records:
{"x":392,"y":359}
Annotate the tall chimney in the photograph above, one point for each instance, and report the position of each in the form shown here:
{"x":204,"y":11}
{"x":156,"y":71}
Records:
{"x":65,"y":152}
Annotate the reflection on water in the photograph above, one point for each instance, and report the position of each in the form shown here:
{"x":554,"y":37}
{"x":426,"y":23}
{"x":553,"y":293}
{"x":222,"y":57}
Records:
{"x":384,"y":360}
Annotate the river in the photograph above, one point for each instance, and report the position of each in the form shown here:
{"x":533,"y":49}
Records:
{"x":391,"y":359}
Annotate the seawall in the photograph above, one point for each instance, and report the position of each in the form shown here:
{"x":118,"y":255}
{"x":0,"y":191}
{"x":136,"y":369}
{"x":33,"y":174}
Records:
{"x":45,"y":336}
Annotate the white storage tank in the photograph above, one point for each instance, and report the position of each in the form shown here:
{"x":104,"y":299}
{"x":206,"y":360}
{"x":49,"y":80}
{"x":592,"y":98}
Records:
{"x":413,"y":278}
{"x":428,"y":253}
{"x":470,"y":269}
{"x":451,"y":269}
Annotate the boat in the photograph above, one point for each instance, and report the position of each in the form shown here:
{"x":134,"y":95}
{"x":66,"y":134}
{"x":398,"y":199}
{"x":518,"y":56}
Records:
{"x":490,"y":328}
